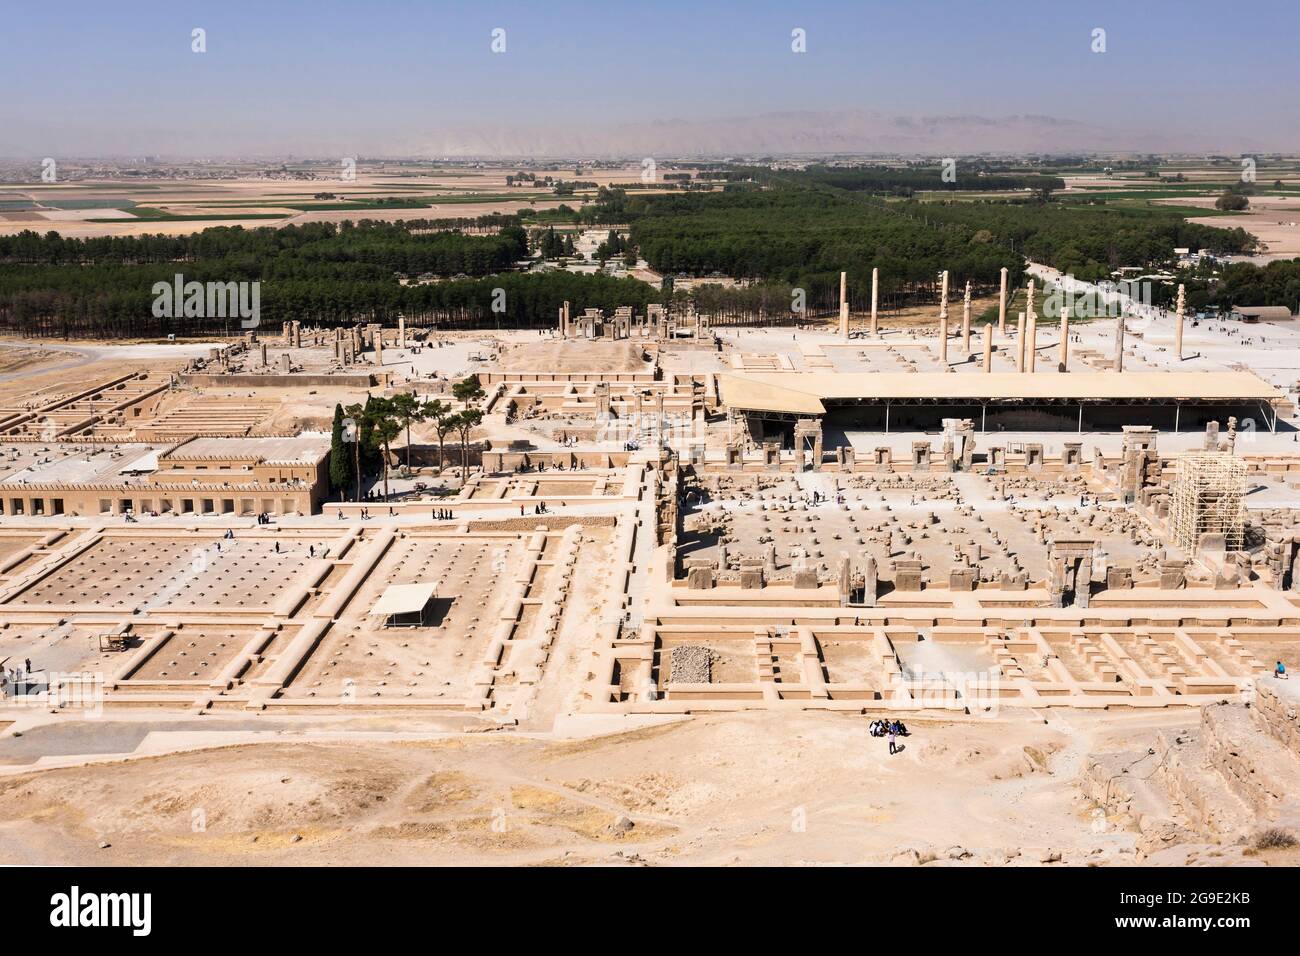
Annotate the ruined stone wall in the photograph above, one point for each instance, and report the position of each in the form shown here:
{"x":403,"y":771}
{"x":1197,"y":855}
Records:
{"x":1277,"y":717}
{"x":237,"y":380}
{"x":532,"y":522}
{"x":1232,"y":748}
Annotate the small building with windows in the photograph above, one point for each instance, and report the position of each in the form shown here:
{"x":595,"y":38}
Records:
{"x":200,"y":476}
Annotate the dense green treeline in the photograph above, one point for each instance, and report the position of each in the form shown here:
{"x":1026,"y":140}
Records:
{"x":805,"y":238}
{"x":1086,"y":241}
{"x":797,"y":227}
{"x":1245,"y":284}
{"x":388,"y":247}
{"x":316,"y":273}
{"x":885,"y":181}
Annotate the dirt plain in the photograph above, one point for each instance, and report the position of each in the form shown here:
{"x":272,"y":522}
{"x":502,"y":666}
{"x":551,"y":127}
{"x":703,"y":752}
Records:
{"x":721,"y":790}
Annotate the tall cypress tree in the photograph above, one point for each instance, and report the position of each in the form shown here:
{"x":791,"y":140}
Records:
{"x":340,"y":464}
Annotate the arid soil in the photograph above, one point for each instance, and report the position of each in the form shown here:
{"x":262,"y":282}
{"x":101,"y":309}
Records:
{"x":740,"y":789}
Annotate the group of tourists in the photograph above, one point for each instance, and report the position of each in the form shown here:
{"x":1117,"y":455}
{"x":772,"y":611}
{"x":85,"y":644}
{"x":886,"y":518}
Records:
{"x":893,"y":729}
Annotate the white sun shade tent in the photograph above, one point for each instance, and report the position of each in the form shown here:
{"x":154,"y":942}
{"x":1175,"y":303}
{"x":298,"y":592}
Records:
{"x":405,"y":604}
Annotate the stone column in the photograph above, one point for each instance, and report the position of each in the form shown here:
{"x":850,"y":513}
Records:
{"x":1119,"y":343}
{"x":845,"y":581}
{"x":943,"y":320}
{"x":870,"y":581}
{"x":1178,"y":323}
{"x":875,"y":299}
{"x":844,"y":304}
{"x":1064,"y":363}
{"x":988,"y":348}
{"x":1031,"y":358}
{"x":1002,"y":304}
{"x":1031,"y":329}
{"x":379,"y":347}
{"x":965,"y":320}
{"x":401,"y":331}
{"x":1020,"y":342}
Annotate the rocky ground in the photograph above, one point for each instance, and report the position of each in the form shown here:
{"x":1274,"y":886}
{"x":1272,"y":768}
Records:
{"x":738,"y":789}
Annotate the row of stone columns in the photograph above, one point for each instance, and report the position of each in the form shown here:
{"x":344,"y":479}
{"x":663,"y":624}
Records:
{"x":1026,"y":330}
{"x":844,"y":302}
{"x":966,"y":328}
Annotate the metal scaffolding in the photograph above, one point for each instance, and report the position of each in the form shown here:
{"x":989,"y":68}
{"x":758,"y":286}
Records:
{"x":1207,"y":494}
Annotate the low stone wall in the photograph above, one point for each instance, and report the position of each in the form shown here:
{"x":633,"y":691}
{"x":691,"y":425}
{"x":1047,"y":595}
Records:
{"x":550,"y":522}
{"x":235,"y":380}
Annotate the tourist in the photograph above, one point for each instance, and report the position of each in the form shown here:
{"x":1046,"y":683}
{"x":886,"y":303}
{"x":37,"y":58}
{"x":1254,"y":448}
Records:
{"x":893,"y":741}
{"x":1279,"y":671}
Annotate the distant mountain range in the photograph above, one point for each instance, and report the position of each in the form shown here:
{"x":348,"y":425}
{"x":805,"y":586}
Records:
{"x":796,"y":133}
{"x":824,"y":132}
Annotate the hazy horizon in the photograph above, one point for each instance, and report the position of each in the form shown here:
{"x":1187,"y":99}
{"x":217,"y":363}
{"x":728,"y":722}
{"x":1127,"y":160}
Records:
{"x":420,"y":80}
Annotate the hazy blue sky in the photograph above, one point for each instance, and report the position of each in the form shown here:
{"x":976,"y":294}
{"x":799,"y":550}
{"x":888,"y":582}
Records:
{"x":330,"y":77}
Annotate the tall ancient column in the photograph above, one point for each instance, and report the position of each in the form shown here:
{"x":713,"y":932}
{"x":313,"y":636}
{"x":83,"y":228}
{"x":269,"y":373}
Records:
{"x":875,"y":298}
{"x":1119,"y":343}
{"x":988,"y":347}
{"x":1032,"y":348}
{"x":1178,"y":323}
{"x":943,"y":320}
{"x":1064,"y":363}
{"x":1002,"y":304}
{"x":844,"y":304}
{"x":965,"y":320}
{"x":401,"y":331}
{"x":1020,"y":342}
{"x":1031,"y":329}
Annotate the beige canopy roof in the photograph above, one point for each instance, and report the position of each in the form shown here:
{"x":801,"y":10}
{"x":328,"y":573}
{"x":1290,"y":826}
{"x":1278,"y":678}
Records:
{"x":804,"y":393}
{"x":404,"y":599}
